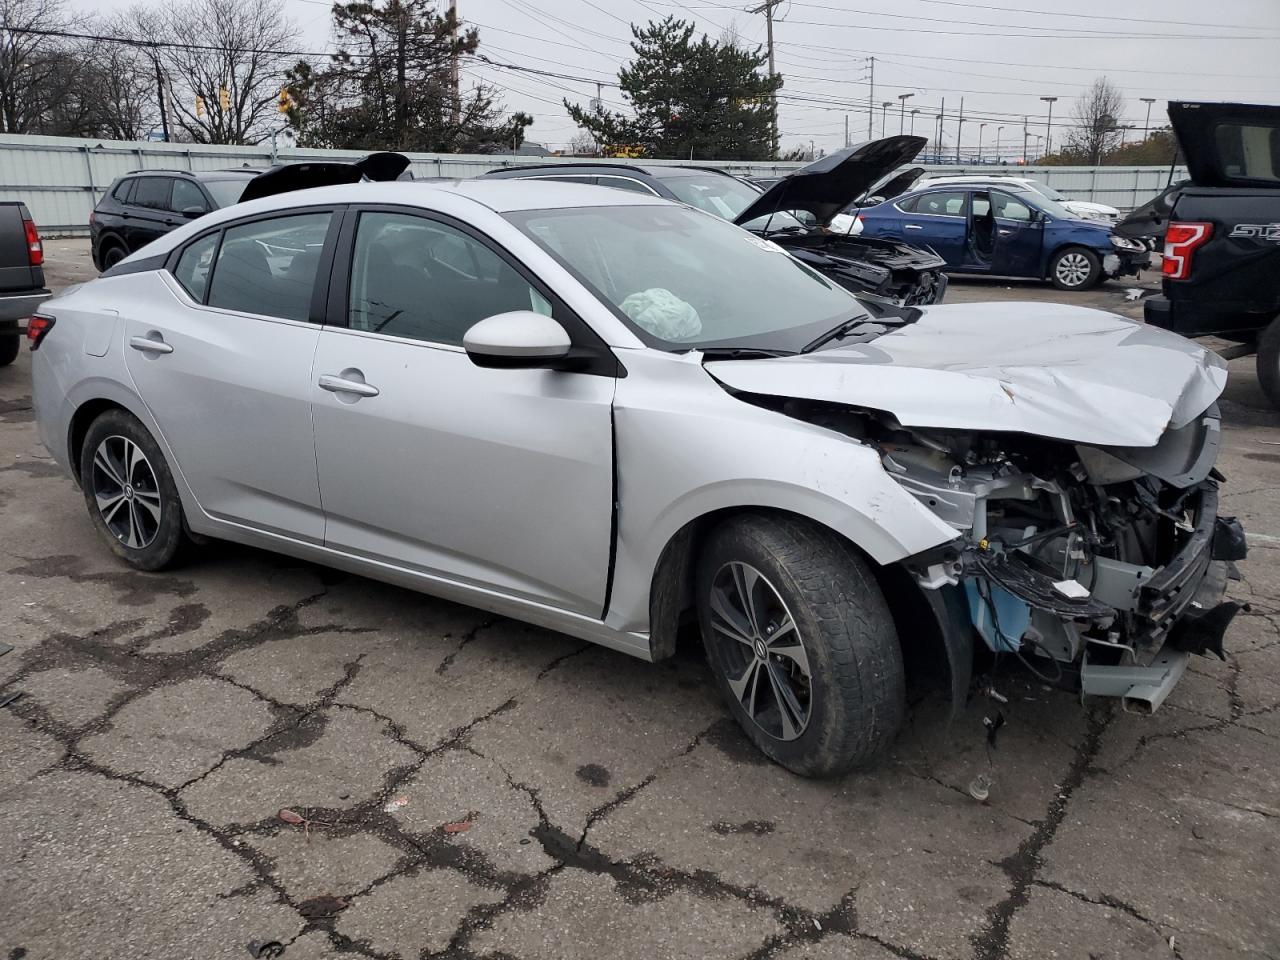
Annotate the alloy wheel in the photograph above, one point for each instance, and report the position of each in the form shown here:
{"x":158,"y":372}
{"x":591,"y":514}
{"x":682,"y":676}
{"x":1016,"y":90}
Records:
{"x":126,"y":491}
{"x":761,"y":651}
{"x":1073,"y":269}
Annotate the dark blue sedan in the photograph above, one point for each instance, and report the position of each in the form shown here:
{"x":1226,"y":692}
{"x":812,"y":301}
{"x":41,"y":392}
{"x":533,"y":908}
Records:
{"x":1005,"y":232}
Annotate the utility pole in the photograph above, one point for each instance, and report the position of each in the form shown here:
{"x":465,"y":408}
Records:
{"x":164,"y":113}
{"x":1048,"y":125}
{"x":1146,"y":125}
{"x":455,"y":110}
{"x":767,"y":9}
{"x":902,"y":112}
{"x":871,"y":103}
{"x":960,"y":130}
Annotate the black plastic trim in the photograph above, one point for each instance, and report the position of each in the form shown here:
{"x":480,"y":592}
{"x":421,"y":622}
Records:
{"x":143,"y":265}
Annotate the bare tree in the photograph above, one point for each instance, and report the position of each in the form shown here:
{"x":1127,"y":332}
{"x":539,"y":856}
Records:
{"x":584,"y":144}
{"x":1097,"y":114}
{"x":237,"y":46}
{"x":31,"y":64}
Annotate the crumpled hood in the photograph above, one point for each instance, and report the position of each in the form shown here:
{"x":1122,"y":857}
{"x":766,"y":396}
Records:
{"x":1048,"y":370}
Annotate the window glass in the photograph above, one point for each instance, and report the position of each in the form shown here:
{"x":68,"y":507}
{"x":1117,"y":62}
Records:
{"x":908,"y":205}
{"x":717,"y":193}
{"x":626,"y":183}
{"x":193,"y":266}
{"x":269,"y":267}
{"x":1010,"y":208}
{"x":1248,"y":152}
{"x":187,"y":194}
{"x":122,"y":190}
{"x":941,"y":203}
{"x":152,"y":192}
{"x":569,"y":179}
{"x":981,"y":205}
{"x":688,"y":279}
{"x":417,"y":278}
{"x":227,"y":192}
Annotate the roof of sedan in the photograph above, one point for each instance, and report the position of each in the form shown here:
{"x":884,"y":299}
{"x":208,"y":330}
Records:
{"x":500,"y":195}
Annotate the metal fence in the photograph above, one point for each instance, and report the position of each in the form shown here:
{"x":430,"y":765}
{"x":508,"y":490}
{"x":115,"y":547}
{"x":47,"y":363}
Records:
{"x":61,"y":178}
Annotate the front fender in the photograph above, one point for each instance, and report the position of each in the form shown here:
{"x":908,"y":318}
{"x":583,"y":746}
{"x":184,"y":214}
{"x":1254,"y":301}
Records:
{"x":686,"y":448}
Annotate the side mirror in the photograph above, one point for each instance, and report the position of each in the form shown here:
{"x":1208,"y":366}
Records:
{"x":519,"y":339}
{"x":1037,"y":216}
{"x":192,"y":212}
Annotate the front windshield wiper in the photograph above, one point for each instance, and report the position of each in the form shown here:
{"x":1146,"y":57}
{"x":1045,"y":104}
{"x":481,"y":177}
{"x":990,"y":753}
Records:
{"x":842,"y":330}
{"x":743,"y":353}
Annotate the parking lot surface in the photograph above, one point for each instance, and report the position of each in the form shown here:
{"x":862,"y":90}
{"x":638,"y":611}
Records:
{"x":454,"y":784}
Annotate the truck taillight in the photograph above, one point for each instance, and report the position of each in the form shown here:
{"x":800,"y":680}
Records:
{"x":1181,"y":240}
{"x":37,"y":328}
{"x":35,"y":247}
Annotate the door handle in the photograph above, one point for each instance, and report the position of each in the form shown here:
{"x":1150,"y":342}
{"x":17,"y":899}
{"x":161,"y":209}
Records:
{"x":336,"y":384}
{"x":1004,"y":232}
{"x":150,"y":345}
{"x":913,"y":226}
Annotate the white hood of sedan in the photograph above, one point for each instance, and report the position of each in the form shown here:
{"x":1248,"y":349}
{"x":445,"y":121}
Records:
{"x":1048,"y":370}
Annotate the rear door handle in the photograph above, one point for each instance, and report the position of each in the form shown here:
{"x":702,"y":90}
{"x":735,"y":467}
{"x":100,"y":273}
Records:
{"x":150,"y":344}
{"x":335,"y":384}
{"x":913,"y":226}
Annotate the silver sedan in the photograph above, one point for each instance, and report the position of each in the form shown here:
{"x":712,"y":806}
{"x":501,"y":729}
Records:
{"x":613,"y":415}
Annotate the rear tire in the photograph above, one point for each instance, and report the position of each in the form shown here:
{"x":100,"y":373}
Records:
{"x":9,"y":345}
{"x":812,"y":671}
{"x":130,"y":493}
{"x":1075,"y":268}
{"x":113,"y":255}
{"x":1268,"y":362}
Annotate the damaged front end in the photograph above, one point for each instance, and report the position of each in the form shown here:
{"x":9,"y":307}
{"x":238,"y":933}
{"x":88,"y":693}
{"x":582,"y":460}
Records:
{"x":1102,"y":567}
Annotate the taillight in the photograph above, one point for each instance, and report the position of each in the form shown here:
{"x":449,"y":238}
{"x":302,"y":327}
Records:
{"x":37,"y":329}
{"x":35,"y":248}
{"x":1181,"y":240}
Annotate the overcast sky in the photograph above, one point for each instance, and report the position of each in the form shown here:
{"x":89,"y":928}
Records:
{"x":1001,"y":56}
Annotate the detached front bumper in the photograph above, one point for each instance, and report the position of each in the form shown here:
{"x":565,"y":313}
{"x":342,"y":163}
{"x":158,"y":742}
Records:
{"x":1126,"y":263}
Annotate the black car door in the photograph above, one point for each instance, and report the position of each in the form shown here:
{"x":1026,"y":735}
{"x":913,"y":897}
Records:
{"x":149,"y":216}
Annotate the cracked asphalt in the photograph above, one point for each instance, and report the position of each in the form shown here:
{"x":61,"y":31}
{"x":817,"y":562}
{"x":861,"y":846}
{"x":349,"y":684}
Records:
{"x":470,"y":787}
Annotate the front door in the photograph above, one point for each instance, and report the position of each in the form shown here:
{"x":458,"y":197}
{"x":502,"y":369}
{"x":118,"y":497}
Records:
{"x":225,"y":370}
{"x":936,"y":220}
{"x":501,"y":479}
{"x":1019,"y":234}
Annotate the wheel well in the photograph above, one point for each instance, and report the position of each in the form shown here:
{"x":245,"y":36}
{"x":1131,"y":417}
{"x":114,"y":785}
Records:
{"x":1062,"y":247}
{"x":925,"y":652}
{"x":80,"y":421}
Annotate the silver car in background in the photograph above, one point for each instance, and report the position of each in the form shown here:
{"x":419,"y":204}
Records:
{"x":612,"y":415}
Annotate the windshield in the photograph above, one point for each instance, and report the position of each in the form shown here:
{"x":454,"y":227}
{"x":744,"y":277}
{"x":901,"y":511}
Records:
{"x":1045,"y":190}
{"x":682,"y":279}
{"x":1052,"y":207}
{"x":226,"y":192}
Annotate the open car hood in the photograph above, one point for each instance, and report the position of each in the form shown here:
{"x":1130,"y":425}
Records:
{"x":894,"y":186}
{"x":1216,"y":137}
{"x":287,"y":177}
{"x":829,"y":184}
{"x":1047,"y":370}
{"x":1152,"y":218}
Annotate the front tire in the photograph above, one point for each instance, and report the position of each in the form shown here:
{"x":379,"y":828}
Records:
{"x":1075,"y":268}
{"x":130,"y":493}
{"x":9,"y":346}
{"x":1268,"y":362}
{"x":801,"y":642}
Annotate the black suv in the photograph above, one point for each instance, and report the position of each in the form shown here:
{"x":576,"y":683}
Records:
{"x":146,"y":204}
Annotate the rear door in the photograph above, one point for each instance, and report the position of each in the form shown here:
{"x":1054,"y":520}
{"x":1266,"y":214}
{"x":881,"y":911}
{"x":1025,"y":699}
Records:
{"x":500,"y":479}
{"x":149,"y":215}
{"x":223,"y":358}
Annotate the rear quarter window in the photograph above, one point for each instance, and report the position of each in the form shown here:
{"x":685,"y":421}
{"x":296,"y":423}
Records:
{"x":1248,"y":151}
{"x":123,"y":189}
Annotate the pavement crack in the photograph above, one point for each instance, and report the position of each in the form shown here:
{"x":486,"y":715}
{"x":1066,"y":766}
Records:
{"x":465,"y":639}
{"x":1022,"y":867}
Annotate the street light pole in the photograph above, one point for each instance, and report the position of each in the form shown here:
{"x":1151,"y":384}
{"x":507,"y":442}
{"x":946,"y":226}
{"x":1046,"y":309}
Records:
{"x":1146,"y":126}
{"x":1024,"y":139}
{"x":884,"y":113}
{"x":914,"y":111}
{"x":981,"y":128}
{"x":999,"y":134}
{"x":1048,"y":124}
{"x":902,"y":112}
